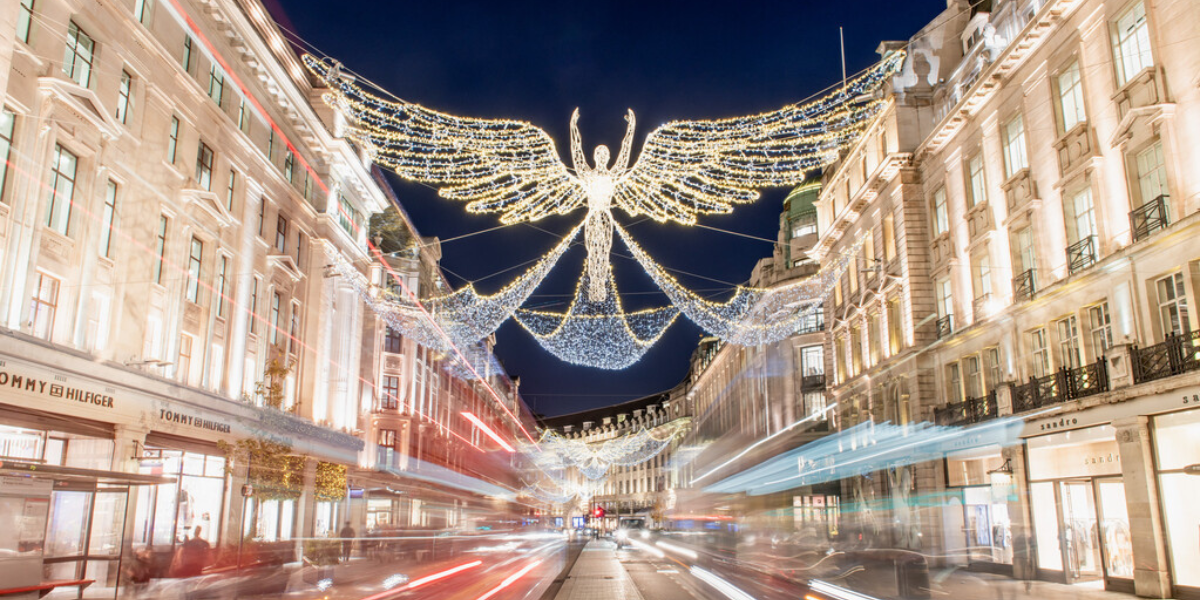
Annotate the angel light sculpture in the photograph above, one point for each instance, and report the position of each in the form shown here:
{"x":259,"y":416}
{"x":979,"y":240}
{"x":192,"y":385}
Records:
{"x":684,"y":169}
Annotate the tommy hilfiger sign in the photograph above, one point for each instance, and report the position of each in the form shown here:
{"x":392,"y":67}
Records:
{"x":54,"y":390}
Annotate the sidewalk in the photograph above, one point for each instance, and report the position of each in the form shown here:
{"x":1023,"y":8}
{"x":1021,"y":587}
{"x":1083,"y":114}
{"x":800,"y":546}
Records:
{"x":598,"y":575}
{"x":987,"y":586}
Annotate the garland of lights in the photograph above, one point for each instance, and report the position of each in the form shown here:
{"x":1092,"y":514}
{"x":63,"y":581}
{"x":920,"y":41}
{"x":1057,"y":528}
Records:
{"x":685,"y":169}
{"x":753,"y":316}
{"x":597,"y":334}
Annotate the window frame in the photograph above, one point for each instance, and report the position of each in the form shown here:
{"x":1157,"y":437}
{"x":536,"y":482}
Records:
{"x":164,"y":223}
{"x":1139,"y":34}
{"x":188,"y":53}
{"x":43,"y":311}
{"x":276,"y":308}
{"x":205,"y":159}
{"x":216,"y":85}
{"x":195,"y":267}
{"x":1015,"y":146}
{"x":1070,"y":97}
{"x":1100,"y":328}
{"x":25,"y":20}
{"x":108,"y":216}
{"x":941,"y":212}
{"x":1039,"y":354}
{"x":281,"y":233}
{"x":222,"y":280}
{"x":1070,"y":351}
{"x":58,"y":209}
{"x":72,"y":57}
{"x":124,"y":97}
{"x":8,"y":130}
{"x":173,"y":140}
{"x":1177,"y":287}
{"x":976,"y":181}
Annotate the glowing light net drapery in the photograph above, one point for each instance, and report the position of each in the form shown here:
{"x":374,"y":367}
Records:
{"x":597,"y":334}
{"x":752,"y":316}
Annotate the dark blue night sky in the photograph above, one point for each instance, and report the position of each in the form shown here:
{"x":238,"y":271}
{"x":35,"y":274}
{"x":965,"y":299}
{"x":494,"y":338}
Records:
{"x":537,"y":61}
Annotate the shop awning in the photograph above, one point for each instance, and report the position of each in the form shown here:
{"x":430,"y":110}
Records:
{"x":57,"y":473}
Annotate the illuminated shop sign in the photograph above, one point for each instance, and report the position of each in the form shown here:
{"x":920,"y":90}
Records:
{"x":51,"y":389}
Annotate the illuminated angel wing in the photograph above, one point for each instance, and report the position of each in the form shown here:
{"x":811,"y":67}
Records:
{"x":688,"y":168}
{"x":496,"y":166}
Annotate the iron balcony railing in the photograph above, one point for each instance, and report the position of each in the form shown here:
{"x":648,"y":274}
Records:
{"x":980,"y":305}
{"x":1081,"y":254}
{"x":971,"y":410}
{"x":812,"y":382}
{"x":1150,"y":217}
{"x":1061,"y":386}
{"x":1024,"y":286}
{"x":945,"y":326}
{"x":1179,"y":353}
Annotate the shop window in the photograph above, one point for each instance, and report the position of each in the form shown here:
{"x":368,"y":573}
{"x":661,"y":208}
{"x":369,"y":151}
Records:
{"x":1131,"y":43}
{"x":1101,"y":329}
{"x":44,"y":305}
{"x":1015,"y":156}
{"x":1172,"y":305}
{"x":1177,"y":444}
{"x":1039,"y":348}
{"x":78,"y":56}
{"x":1070,"y":98}
{"x":1069,"y":354}
{"x":62,"y":189}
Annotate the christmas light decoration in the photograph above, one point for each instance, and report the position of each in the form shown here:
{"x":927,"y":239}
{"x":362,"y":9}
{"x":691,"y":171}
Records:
{"x":685,"y":169}
{"x":597,"y":334}
{"x":752,"y":316}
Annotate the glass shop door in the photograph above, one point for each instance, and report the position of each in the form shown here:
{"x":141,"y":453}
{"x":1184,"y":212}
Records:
{"x":1079,"y":528}
{"x":83,"y":537}
{"x":1116,"y":540}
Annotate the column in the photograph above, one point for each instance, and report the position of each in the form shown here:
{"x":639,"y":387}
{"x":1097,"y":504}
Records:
{"x":306,"y":506}
{"x":1151,"y":576}
{"x":1019,"y":515}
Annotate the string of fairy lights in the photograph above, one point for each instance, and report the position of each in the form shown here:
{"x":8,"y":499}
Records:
{"x":685,"y":169}
{"x":556,"y":456}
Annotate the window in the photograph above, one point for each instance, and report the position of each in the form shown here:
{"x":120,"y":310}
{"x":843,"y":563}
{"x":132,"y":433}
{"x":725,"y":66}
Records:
{"x":874,"y":338}
{"x":895,"y":326}
{"x":954,"y":391}
{"x":216,"y":85}
{"x":889,"y":237}
{"x":107,"y":218}
{"x":62,"y":190}
{"x":837,"y":292}
{"x":222,"y":279}
{"x":1039,"y":348}
{"x":173,"y":140}
{"x":974,"y":377}
{"x":8,"y":122}
{"x":141,"y":11}
{"x":391,"y":393}
{"x":1068,"y":343}
{"x":124,"y":91}
{"x":161,"y":248}
{"x":349,"y":217}
{"x":204,"y":166}
{"x":78,"y":56}
{"x":185,"y":358}
{"x":1070,"y":98}
{"x":1082,"y":224}
{"x":274,"y":333}
{"x":1172,"y":305}
{"x":293,"y":342}
{"x":1152,"y":173}
{"x":289,"y":165}
{"x":856,"y":344}
{"x":812,"y":360}
{"x":254,"y":305}
{"x":1101,"y":324}
{"x":271,"y":146}
{"x":392,"y":341}
{"x":187,"y":53}
{"x":1025,"y":258}
{"x":852,"y":272}
{"x":387,"y":438}
{"x":871,"y":262}
{"x":941,"y":215}
{"x":230,"y":189}
{"x":281,"y":226}
{"x":45,"y":303}
{"x":299,"y":249}
{"x":308,"y":186}
{"x":25,"y":20}
{"x":945,"y":298}
{"x":262,"y":216}
{"x":976,"y":184}
{"x":195,"y":261}
{"x":1131,"y":43}
{"x":1015,"y":157}
{"x":981,"y":276}
{"x":991,"y":358}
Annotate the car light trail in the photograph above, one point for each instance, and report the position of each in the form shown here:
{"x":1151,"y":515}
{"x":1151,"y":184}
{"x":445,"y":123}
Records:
{"x":834,"y":591}
{"x":646,"y":547}
{"x":731,"y":591}
{"x":441,"y":575}
{"x":488,"y":430}
{"x":510,"y":580}
{"x":677,"y":549}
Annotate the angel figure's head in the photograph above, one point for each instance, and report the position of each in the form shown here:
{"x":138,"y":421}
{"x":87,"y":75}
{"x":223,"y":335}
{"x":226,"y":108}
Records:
{"x":600,"y":156}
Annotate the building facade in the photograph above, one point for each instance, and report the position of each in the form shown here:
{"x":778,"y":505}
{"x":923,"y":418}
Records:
{"x":171,"y":190}
{"x":1027,"y":202}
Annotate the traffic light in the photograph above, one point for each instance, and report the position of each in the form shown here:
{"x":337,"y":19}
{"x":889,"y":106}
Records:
{"x":599,"y":512}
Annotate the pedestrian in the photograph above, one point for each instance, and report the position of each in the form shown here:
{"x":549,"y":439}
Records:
{"x":193,"y":555}
{"x":347,"y":534}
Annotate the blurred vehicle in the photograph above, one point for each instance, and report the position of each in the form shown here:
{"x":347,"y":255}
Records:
{"x":630,"y":527}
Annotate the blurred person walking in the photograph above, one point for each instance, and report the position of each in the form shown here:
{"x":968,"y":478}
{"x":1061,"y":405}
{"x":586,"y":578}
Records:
{"x":347,"y":534}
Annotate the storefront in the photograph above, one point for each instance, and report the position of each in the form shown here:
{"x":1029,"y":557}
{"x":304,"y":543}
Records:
{"x":977,"y":523}
{"x":192,"y":506}
{"x":1080,"y":516}
{"x":1177,"y":453}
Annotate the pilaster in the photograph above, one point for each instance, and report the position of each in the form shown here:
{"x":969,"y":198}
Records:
{"x":1151,"y":576}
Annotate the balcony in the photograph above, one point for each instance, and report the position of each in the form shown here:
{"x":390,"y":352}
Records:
{"x":971,"y":410}
{"x":1061,"y":386}
{"x":981,"y":306}
{"x":1024,"y":286}
{"x":1180,"y":353}
{"x":1149,"y":217}
{"x":945,"y":326}
{"x":812,"y":383}
{"x":1081,"y":254}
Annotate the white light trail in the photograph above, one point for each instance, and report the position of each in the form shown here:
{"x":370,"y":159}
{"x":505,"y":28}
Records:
{"x":731,"y":591}
{"x":488,"y":431}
